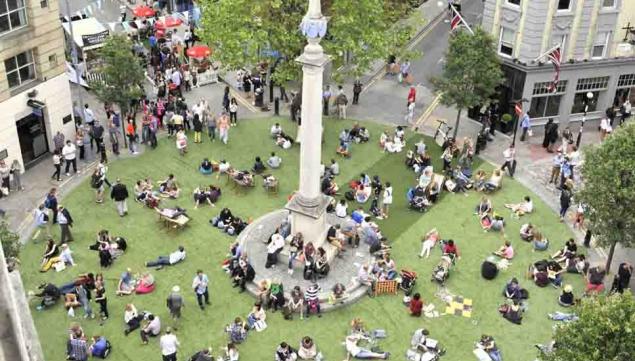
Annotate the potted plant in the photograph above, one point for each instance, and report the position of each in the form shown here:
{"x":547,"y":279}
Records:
{"x":506,"y":123}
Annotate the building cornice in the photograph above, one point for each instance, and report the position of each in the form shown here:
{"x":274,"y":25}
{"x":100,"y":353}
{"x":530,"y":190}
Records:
{"x":547,"y":68}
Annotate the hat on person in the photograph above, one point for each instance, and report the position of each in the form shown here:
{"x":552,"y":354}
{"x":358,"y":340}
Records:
{"x":568,"y":288}
{"x":176,"y":289}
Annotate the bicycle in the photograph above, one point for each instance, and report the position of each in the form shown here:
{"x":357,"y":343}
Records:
{"x":444,"y":129}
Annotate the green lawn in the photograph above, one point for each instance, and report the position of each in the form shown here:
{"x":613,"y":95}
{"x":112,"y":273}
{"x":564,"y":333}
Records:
{"x":206,"y":248}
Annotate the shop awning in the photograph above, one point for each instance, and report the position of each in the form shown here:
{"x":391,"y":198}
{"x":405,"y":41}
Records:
{"x":87,"y":33}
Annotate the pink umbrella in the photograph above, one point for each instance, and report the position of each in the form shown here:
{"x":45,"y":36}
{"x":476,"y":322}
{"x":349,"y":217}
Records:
{"x":168,"y":22}
{"x":143,"y":11}
{"x":199,"y":51}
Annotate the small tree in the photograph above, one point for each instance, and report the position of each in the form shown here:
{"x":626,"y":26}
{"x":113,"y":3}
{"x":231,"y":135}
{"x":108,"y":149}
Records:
{"x":609,"y":189}
{"x":10,"y":242}
{"x":604,"y":331}
{"x":471,"y":72}
{"x":122,"y":74}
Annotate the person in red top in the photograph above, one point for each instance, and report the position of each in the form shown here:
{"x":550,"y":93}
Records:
{"x":412,"y":94}
{"x":416,"y":305}
{"x":451,"y":248}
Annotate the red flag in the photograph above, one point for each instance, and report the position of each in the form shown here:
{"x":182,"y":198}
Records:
{"x":456,"y":20}
{"x":518,"y":109}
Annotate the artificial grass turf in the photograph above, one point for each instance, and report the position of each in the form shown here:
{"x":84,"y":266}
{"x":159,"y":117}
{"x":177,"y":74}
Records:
{"x":206,"y":248}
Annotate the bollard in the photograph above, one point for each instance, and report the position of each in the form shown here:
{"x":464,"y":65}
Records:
{"x":276,"y":106}
{"x":270,"y":91}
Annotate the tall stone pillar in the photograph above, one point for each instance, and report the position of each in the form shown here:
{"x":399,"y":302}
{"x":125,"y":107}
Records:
{"x":308,"y":206}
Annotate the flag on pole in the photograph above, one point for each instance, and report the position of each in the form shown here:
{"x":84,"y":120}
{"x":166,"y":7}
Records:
{"x":456,"y":20}
{"x":518,"y":109}
{"x":555,"y":55}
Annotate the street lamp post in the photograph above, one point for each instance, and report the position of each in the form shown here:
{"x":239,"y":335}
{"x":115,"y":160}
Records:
{"x":75,"y":62}
{"x":589,"y":97}
{"x":517,"y":117}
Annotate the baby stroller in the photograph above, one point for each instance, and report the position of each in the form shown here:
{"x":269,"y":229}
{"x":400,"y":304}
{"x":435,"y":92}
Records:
{"x":408,"y":281}
{"x":418,"y":201}
{"x":442,"y":270}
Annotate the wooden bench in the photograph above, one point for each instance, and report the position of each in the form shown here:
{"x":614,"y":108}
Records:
{"x":173,"y":223}
{"x":385,"y":287}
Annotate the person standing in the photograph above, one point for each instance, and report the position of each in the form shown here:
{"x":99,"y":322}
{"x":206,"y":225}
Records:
{"x":622,"y":278}
{"x":387,"y":200}
{"x":412,"y":94}
{"x":199,"y":284}
{"x":68,"y":152}
{"x":5,"y":175}
{"x":555,"y":168}
{"x":42,"y":221}
{"x":565,"y":199}
{"x":341,"y":102}
{"x":79,"y":143}
{"x":226,"y":99}
{"x":100,"y":298}
{"x":169,"y":345}
{"x":89,"y":116}
{"x":65,"y":221}
{"x":57,"y":163}
{"x":50,"y":202}
{"x":119,"y":193}
{"x":131,"y":133}
{"x":410,"y":113}
{"x":198,"y":128}
{"x":223,"y":127}
{"x":357,"y":90}
{"x":211,"y":127}
{"x":510,"y":160}
{"x":174,"y":302}
{"x":525,"y":123}
{"x":58,"y":141}
{"x":83,"y":295}
{"x":326,"y":98}
{"x":98,"y":134}
{"x":233,"y":112}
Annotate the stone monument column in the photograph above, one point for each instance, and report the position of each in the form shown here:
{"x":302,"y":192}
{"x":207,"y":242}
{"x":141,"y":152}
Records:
{"x":308,"y":206}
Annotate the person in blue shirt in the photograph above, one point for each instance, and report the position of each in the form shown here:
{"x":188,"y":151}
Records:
{"x":525,"y":123}
{"x":99,"y":347}
{"x":152,"y":40}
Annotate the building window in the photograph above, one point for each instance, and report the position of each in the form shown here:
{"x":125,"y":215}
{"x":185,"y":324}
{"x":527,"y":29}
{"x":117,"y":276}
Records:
{"x":564,"y":4}
{"x":12,"y":15}
{"x":599,"y":83}
{"x":20,"y":69}
{"x":546,"y":103}
{"x":600,"y":45}
{"x":506,"y":42}
{"x":581,"y":100}
{"x":514,"y":2}
{"x":608,"y":4}
{"x":44,"y":4}
{"x":626,"y":80}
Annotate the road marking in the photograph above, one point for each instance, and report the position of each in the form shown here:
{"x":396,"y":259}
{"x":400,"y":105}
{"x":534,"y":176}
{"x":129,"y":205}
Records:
{"x":242,"y":100}
{"x":411,"y":45}
{"x":427,"y":112}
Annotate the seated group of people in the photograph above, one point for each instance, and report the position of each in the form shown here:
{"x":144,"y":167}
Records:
{"x":207,"y":195}
{"x":488,"y":219}
{"x":530,"y":233}
{"x":307,"y":350}
{"x":169,"y":188}
{"x":139,"y":284}
{"x":356,"y":134}
{"x":243,"y":178}
{"x":109,"y":248}
{"x":229,"y":223}
{"x":425,"y":194}
{"x":394,"y":144}
{"x":144,"y":193}
{"x":55,"y":256}
{"x":282,"y":139}
{"x":77,"y":347}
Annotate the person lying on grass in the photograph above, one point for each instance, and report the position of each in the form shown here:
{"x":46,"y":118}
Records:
{"x":174,"y":258}
{"x":519,"y":209}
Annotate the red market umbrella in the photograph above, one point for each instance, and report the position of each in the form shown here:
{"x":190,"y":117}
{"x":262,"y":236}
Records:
{"x":168,"y":22}
{"x":143,"y":11}
{"x":199,"y":51}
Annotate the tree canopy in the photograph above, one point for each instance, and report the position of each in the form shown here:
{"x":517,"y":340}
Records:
{"x":471,"y":71}
{"x":244,"y":32}
{"x":122,"y":73}
{"x":609,"y":188}
{"x":605,"y":331}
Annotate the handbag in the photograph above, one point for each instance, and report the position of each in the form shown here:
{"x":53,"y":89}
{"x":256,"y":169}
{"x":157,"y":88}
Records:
{"x":400,"y":77}
{"x":530,"y":133}
{"x":260,"y":325}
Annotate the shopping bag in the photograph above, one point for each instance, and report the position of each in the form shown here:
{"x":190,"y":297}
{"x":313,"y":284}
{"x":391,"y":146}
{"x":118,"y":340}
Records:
{"x":530,"y":133}
{"x":260,"y":325}
{"x":400,"y":78}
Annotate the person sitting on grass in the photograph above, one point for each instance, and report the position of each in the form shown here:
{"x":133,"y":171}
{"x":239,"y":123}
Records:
{"x":206,"y":167}
{"x":126,"y":283}
{"x":257,"y":314}
{"x":284,"y":141}
{"x":450,"y":249}
{"x":513,"y":291}
{"x":566,"y":298}
{"x":259,"y":166}
{"x":328,"y":186}
{"x":269,"y":181}
{"x":595,"y":280}
{"x":284,"y":352}
{"x":49,"y":293}
{"x":274,"y":161}
{"x":577,"y":264}
{"x":237,"y":331}
{"x":131,"y":318}
{"x":243,"y":178}
{"x":100,"y":347}
{"x":206,"y":195}
{"x":493,"y":222}
{"x":512,"y":312}
{"x":308,"y":350}
{"x":495,"y":182}
{"x":479,"y":180}
{"x":145,"y":284}
{"x":488,"y":345}
{"x":344,"y":149}
{"x":355,"y":351}
{"x":539,"y":242}
{"x":362,"y":193}
{"x":223,"y":167}
{"x":171,"y":192}
{"x":151,"y":329}
{"x":275,"y":131}
{"x":142,"y":189}
{"x":295,"y":304}
{"x":174,"y":258}
{"x":415,"y":306}
{"x":506,"y":251}
{"x":519,"y":209}
{"x":167,"y":183}
{"x":527,"y":231}
{"x":568,"y":251}
{"x":483,"y":207}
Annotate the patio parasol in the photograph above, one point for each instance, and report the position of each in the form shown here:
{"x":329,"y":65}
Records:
{"x":168,"y":22}
{"x":199,"y":51}
{"x":143,"y":11}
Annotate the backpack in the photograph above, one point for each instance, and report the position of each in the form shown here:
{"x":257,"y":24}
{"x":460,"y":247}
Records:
{"x":95,"y":181}
{"x":47,"y":202}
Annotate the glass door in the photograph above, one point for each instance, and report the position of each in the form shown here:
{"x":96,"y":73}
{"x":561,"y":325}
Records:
{"x":32,"y":137}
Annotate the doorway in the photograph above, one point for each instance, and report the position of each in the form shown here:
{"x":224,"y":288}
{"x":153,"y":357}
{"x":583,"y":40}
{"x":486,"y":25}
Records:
{"x":32,"y":137}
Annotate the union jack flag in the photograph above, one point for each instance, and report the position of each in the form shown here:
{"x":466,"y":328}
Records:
{"x":555,"y":56}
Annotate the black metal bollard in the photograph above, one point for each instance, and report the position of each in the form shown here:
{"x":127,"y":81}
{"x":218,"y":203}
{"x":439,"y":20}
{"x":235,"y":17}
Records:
{"x":276,"y":106}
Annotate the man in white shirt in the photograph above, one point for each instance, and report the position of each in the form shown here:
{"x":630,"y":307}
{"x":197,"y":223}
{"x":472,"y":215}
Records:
{"x":273,"y":249}
{"x":276,"y":130}
{"x":174,"y":258}
{"x":169,"y":345}
{"x":357,"y":352}
{"x":89,"y":116}
{"x":341,"y":208}
{"x":176,"y":78}
{"x":42,"y":221}
{"x":510,"y":162}
{"x":153,"y":328}
{"x":274,"y":161}
{"x":68,"y":152}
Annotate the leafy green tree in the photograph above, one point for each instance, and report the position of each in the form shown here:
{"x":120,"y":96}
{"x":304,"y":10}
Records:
{"x":239,"y":31}
{"x":471,"y":71}
{"x":605,"y":331}
{"x":609,"y":189}
{"x":122,"y":74}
